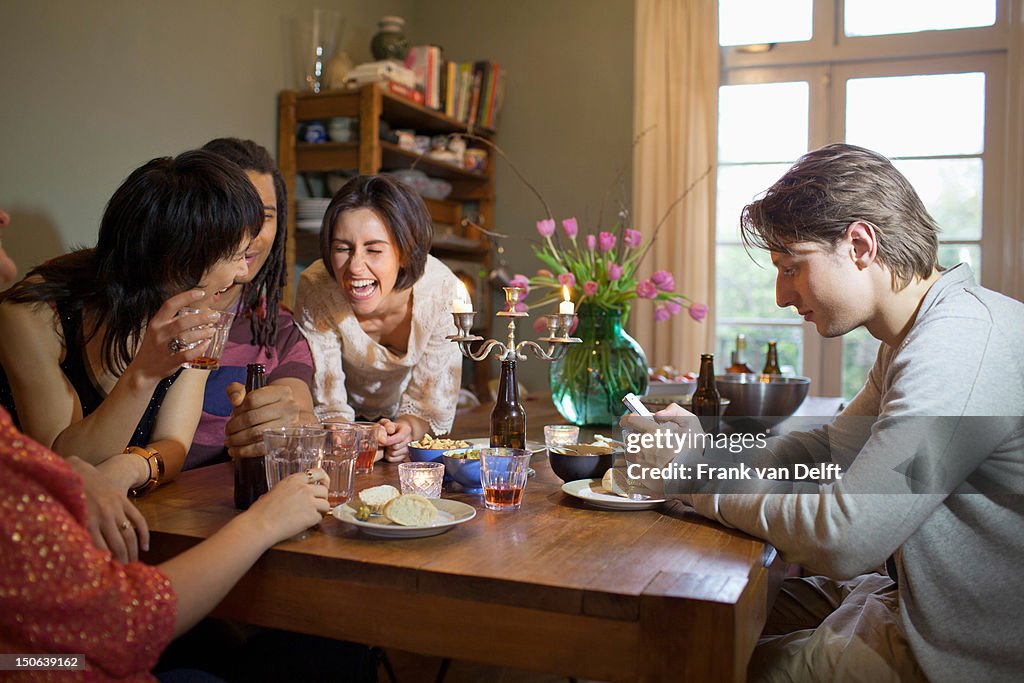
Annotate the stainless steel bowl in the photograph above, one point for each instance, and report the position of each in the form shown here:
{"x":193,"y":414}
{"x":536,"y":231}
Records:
{"x":758,"y":401}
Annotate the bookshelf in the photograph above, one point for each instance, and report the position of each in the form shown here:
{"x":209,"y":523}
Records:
{"x":463,"y":247}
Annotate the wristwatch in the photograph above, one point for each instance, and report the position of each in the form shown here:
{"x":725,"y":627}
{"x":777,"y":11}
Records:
{"x":156,"y":469}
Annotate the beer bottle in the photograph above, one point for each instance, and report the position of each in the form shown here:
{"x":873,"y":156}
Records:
{"x":250,"y":473}
{"x":739,"y":365}
{"x":707,"y":402}
{"x":771,"y":363}
{"x":508,"y":419}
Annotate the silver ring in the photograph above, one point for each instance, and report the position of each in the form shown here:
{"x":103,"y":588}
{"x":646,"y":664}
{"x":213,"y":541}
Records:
{"x":126,"y":525}
{"x":176,"y":345}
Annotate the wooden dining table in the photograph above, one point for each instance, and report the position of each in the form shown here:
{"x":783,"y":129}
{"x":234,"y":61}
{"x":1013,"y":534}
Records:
{"x":556,"y":586}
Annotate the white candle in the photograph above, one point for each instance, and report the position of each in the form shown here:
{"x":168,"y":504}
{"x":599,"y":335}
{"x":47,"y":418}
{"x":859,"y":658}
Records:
{"x":566,"y":307}
{"x":462,"y":303}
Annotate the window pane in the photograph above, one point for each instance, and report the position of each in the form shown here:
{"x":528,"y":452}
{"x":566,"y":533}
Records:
{"x":737,"y":187}
{"x":743,"y":22}
{"x":952,"y":254}
{"x":758,"y":336}
{"x":877,"y":17}
{"x":859,"y":349}
{"x":950,"y":190}
{"x":763,"y":122}
{"x":745,"y":288}
{"x":917,"y":115}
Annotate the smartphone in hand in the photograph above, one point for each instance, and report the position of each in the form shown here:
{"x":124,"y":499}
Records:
{"x":635,"y":405}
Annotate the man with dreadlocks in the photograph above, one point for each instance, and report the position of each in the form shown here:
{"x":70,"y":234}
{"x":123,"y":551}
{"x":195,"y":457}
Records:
{"x":263,"y":332}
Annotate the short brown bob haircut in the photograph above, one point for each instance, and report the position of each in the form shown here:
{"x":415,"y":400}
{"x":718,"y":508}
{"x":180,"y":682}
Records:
{"x":828,"y":189}
{"x":401,"y":210}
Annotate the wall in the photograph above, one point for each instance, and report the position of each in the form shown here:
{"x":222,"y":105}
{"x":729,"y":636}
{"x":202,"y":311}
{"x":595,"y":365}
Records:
{"x":91,"y":90}
{"x":568,"y":117}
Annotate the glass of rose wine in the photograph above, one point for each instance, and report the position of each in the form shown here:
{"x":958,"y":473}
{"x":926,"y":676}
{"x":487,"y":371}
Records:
{"x":503,"y":473}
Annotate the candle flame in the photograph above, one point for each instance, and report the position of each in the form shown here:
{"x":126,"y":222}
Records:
{"x":565,"y":292}
{"x":464,"y":292}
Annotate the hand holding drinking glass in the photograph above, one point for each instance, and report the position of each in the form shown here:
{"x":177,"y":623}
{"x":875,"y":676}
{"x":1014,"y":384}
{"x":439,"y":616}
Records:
{"x":169,"y":339}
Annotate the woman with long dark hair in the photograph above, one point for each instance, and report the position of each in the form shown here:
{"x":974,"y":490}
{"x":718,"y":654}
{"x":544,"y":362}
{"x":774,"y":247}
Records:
{"x":263,"y":331}
{"x":93,"y":342}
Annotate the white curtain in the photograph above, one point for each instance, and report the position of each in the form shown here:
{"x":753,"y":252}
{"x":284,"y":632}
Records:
{"x":676,"y":109}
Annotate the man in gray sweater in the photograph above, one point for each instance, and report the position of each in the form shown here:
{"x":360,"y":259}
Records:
{"x":931,"y":449}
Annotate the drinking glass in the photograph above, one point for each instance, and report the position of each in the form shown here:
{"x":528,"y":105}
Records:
{"x":503,"y":473}
{"x":424,"y":478}
{"x":561,"y":435}
{"x":342,"y":444}
{"x":291,"y":450}
{"x":210,"y":360}
{"x":367,"y":449}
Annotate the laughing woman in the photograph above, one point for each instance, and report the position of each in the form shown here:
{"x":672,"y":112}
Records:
{"x":263,"y":332}
{"x":376,"y":309}
{"x":92,"y":341}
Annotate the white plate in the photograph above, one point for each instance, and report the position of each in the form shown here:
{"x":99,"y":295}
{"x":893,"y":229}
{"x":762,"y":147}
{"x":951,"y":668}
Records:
{"x":591,"y":492}
{"x":534,"y":447}
{"x":449,"y":514}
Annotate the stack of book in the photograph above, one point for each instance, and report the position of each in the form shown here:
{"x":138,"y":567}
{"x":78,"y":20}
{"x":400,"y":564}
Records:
{"x":472,"y":92}
{"x":395,"y":76}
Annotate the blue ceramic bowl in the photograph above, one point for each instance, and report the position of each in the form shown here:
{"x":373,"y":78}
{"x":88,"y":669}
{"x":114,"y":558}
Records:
{"x":426,"y":454}
{"x":464,"y":471}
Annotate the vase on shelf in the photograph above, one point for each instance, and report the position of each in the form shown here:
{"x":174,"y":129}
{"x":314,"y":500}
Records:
{"x":389,"y":42}
{"x":589,"y":381}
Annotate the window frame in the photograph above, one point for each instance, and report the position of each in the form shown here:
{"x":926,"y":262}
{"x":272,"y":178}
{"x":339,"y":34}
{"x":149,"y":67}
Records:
{"x":828,"y":61}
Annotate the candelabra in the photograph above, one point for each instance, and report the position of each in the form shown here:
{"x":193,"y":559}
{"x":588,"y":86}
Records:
{"x":557,"y":341}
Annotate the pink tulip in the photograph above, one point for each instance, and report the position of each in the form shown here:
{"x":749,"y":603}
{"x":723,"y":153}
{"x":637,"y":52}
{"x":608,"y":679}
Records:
{"x":633,"y":238}
{"x":570,"y":227}
{"x":591,"y":242}
{"x":575,"y":324}
{"x":522,"y":307}
{"x":674,"y":307}
{"x":540,"y":325}
{"x":698,"y":311}
{"x":544,"y":272}
{"x":663,"y":280}
{"x":520,"y":281}
{"x":567,"y":280}
{"x":661,"y":314}
{"x":546,"y":227}
{"x":646,"y":290}
{"x":606,"y":241}
{"x":590,"y":288}
{"x":614,"y":271}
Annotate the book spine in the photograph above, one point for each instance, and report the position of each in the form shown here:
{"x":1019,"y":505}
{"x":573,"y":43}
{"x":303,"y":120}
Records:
{"x":406,"y":92}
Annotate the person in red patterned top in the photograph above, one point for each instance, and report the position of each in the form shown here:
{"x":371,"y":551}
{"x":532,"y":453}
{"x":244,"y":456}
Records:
{"x":61,"y":595}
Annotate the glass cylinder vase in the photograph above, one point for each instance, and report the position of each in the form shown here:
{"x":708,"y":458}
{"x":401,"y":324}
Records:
{"x":589,"y":381}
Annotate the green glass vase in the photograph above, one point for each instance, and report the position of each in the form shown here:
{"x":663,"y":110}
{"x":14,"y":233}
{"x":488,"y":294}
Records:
{"x":589,"y":381}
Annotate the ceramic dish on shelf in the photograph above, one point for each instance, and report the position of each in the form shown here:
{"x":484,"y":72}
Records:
{"x":450,"y":513}
{"x":591,"y":492}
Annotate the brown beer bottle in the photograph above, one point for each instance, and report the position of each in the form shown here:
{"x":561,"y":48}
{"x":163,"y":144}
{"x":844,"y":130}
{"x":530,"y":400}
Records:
{"x":771,"y":363}
{"x":508,"y":419}
{"x":739,"y":365}
{"x":251,"y":473}
{"x":707,"y":402}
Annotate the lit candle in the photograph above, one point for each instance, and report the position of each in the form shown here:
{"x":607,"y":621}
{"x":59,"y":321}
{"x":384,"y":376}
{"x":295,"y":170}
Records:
{"x":462,"y":303}
{"x":566,"y":307}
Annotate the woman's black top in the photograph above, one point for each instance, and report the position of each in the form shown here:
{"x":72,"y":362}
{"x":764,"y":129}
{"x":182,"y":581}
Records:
{"x":75,"y":368}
